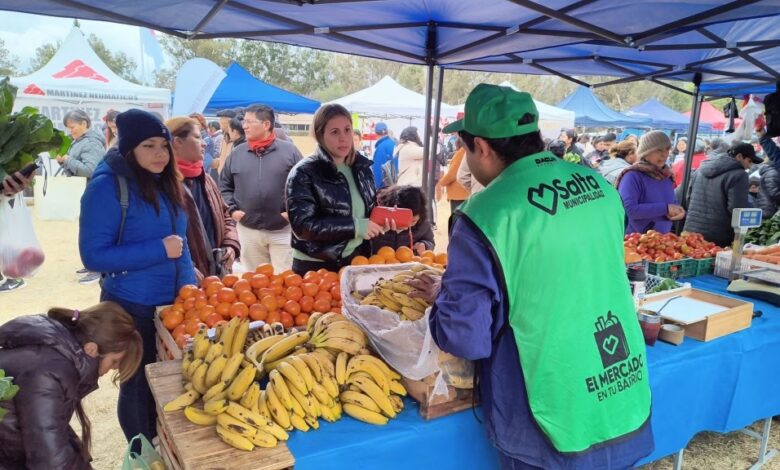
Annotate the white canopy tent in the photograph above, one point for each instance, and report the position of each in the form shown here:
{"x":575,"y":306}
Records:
{"x":76,"y":78}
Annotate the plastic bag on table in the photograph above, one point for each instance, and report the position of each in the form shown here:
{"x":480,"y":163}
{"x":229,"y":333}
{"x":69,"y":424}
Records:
{"x":146,"y":459}
{"x":20,"y":253}
{"x":407,"y":346}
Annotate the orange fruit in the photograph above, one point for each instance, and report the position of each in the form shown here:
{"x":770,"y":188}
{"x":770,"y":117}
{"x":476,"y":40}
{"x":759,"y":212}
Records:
{"x":213,"y":300}
{"x":281,"y":300}
{"x":416,"y":259}
{"x":322,"y":271}
{"x":187,"y":291}
{"x":212,"y":319}
{"x":229,"y":280}
{"x":247,"y":297}
{"x":335,"y":310}
{"x":266,"y":269}
{"x":307,"y":303}
{"x":441,"y":259}
{"x":242,"y":285}
{"x":302,"y":319}
{"x":293,"y":280}
{"x":428,"y":254}
{"x":427,"y":261}
{"x":335,"y":292}
{"x":359,"y":261}
{"x":326,"y":285}
{"x":331,"y":276}
{"x":165,"y":311}
{"x":386,"y":252}
{"x":189,"y":303}
{"x":259,"y":281}
{"x":207,"y":281}
{"x":404,"y":254}
{"x":182,"y":340}
{"x":223,"y":308}
{"x":321,"y":305}
{"x":201,"y":302}
{"x":293,"y":293}
{"x":226,"y":294}
{"x":310,"y":289}
{"x":239,"y":309}
{"x":286,"y":273}
{"x":273,"y":316}
{"x":248,"y":275}
{"x":292,"y":307}
{"x":204,"y":312}
{"x":173,"y":319}
{"x":178,"y":331}
{"x":269,"y":302}
{"x":376,"y":259}
{"x":392,"y":260}
{"x":278,"y":290}
{"x":287,"y":320}
{"x":220,"y":324}
{"x":313,"y":277}
{"x":178,"y":301}
{"x":193,"y":326}
{"x":265,"y":291}
{"x":277,"y":281}
{"x":258,"y":312}
{"x":214,"y":287}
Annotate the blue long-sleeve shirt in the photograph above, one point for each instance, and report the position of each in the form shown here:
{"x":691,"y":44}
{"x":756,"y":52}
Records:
{"x":383,"y":152}
{"x":771,"y":150}
{"x":468,"y":320}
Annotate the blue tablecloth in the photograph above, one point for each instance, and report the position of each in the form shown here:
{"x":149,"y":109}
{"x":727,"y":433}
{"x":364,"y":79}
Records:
{"x":721,"y":385}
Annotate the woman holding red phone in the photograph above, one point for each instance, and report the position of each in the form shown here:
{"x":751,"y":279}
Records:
{"x":330,"y":196}
{"x":419,"y":234}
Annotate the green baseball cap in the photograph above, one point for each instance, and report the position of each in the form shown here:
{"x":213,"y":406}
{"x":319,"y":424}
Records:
{"x":494,"y":112}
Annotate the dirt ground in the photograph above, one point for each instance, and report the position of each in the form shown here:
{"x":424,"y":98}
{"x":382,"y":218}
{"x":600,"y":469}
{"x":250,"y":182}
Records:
{"x":55,"y":284}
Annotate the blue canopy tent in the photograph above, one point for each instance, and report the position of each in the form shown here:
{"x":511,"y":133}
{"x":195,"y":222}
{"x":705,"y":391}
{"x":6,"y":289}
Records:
{"x":663,"y":117}
{"x":240,"y":89}
{"x":589,"y":111}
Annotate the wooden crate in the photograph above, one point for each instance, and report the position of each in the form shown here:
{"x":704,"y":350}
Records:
{"x":431,"y":407}
{"x":198,"y":447}
{"x":167,"y":349}
{"x":739,"y":315}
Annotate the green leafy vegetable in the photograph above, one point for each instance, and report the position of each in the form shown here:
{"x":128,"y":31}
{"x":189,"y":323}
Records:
{"x":7,"y":390}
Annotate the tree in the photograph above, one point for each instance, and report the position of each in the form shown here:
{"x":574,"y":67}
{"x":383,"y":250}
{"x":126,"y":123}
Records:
{"x":7,"y":61}
{"x":219,"y":51}
{"x":118,"y":62}
{"x":43,"y":55}
{"x":297,"y":69}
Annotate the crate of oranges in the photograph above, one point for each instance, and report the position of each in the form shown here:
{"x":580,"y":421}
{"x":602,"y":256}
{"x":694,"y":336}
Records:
{"x":286,"y":297}
{"x":403,"y":254}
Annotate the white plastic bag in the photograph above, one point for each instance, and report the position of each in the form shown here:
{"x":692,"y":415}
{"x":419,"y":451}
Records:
{"x":749,"y":113}
{"x":407,"y":346}
{"x":20,"y":253}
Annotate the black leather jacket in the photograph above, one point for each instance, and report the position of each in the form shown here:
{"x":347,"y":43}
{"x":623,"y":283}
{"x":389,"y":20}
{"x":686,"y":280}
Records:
{"x":319,"y":204}
{"x":53,"y":373}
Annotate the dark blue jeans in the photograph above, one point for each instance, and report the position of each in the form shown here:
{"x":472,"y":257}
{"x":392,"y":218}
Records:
{"x":136,"y":408}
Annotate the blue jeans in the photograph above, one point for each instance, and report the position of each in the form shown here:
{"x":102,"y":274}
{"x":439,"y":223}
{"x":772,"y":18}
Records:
{"x":136,"y":409}
{"x":508,"y":463}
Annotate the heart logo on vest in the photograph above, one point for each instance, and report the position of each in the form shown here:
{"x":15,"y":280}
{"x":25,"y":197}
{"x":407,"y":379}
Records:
{"x":545,"y":197}
{"x":610,"y":344}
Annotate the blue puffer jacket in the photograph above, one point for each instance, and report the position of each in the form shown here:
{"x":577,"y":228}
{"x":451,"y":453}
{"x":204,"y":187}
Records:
{"x":139,"y":269}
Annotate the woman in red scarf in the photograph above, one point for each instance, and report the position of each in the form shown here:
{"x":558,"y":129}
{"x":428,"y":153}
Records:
{"x":211,"y":232}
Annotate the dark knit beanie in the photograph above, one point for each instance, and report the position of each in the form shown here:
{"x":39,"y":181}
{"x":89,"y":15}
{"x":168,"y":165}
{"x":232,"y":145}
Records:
{"x":135,"y":125}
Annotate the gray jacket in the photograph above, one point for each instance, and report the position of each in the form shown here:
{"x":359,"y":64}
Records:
{"x":611,"y":169}
{"x":84,"y":154}
{"x":254,"y":183}
{"x":719,"y":186}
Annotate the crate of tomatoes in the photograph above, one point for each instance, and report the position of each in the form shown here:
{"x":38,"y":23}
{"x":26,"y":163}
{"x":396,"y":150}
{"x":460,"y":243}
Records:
{"x":671,"y":255}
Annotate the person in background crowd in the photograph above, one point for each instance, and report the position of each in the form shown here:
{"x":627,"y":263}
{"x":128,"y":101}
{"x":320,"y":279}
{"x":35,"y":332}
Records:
{"x":56,"y":360}
{"x":456,"y":193}
{"x":622,"y":156}
{"x":384,"y":151}
{"x":211,"y":232}
{"x":557,"y":147}
{"x":409,"y":153}
{"x":609,"y":139}
{"x":330,"y":195}
{"x":211,"y":149}
{"x":573,"y":153}
{"x":600,"y":152}
{"x":217,"y":137}
{"x":754,"y":195}
{"x":647,"y":189}
{"x":583,"y":143}
{"x":225,"y":116}
{"x":357,"y":140}
{"x":281,"y":134}
{"x":144,"y":259}
{"x":420,"y":235}
{"x":11,"y":185}
{"x":467,"y":179}
{"x":719,"y":187}
{"x":718,"y":148}
{"x":237,"y":137}
{"x":252,"y":184}
{"x":495,"y":306}
{"x":632,"y":138}
{"x":770,"y":148}
{"x":679,"y":151}
{"x":109,"y":120}
{"x":679,"y":165}
{"x":88,"y":145}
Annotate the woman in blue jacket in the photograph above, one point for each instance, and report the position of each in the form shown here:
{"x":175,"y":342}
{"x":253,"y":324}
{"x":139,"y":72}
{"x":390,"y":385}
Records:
{"x":142,"y":254}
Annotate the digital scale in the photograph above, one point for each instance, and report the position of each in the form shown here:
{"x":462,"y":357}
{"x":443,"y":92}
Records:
{"x":741,"y":220}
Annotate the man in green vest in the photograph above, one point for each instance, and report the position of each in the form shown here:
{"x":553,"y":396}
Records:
{"x":536,"y":293}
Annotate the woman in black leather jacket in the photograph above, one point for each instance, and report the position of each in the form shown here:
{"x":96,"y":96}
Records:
{"x":56,"y":360}
{"x":330,"y":196}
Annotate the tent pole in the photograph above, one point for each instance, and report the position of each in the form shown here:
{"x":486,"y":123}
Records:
{"x":430,"y":51}
{"x":692,"y":131}
{"x":435,"y":137}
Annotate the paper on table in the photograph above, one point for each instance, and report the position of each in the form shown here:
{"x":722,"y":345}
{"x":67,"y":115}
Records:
{"x":685,"y":310}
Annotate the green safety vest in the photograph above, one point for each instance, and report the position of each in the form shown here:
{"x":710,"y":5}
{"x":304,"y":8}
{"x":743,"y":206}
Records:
{"x":556,"y":233}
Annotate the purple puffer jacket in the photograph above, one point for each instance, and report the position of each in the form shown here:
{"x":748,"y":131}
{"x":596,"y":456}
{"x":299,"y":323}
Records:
{"x":646,"y":202}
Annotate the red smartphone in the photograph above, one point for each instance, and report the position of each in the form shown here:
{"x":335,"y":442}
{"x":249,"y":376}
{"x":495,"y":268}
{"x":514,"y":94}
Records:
{"x":401,"y":215}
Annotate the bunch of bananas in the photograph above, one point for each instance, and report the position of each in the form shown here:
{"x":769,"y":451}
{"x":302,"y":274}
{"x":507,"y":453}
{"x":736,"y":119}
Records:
{"x":393,"y":294}
{"x":370,"y":390}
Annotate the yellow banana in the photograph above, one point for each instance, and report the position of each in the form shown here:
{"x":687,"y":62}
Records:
{"x":328,"y":414}
{"x":281,"y":389}
{"x":387,"y":300}
{"x":360,"y":399}
{"x":251,"y":396}
{"x":401,"y":287}
{"x":342,"y":344}
{"x":403,"y":299}
{"x":297,"y":409}
{"x":241,"y":383}
{"x":304,"y":401}
{"x":186,"y":360}
{"x":398,"y":403}
{"x":375,"y":373}
{"x":255,"y":351}
{"x":215,"y":407}
{"x":215,"y":390}
{"x":336,"y":410}
{"x":229,"y":333}
{"x":329,"y":382}
{"x":199,"y":417}
{"x":193,"y":367}
{"x":303,"y":369}
{"x":299,"y":423}
{"x":314,"y":366}
{"x":183,"y":400}
{"x":370,"y":388}
{"x":231,"y":368}
{"x":262,"y":423}
{"x":312,"y":321}
{"x":278,"y":411}
{"x":362,"y":414}
{"x":341,"y":368}
{"x":214,"y":373}
{"x":284,"y":347}
{"x":264,"y":439}
{"x":199,"y":378}
{"x":292,"y":376}
{"x":239,"y":338}
{"x":189,"y":387}
{"x":200,"y":344}
{"x":234,"y":439}
{"x":267,"y":331}
{"x":236,"y":425}
{"x":412,"y":313}
{"x":420,"y":304}
{"x":390,"y":373}
{"x":215,"y":350}
{"x":403,"y":277}
{"x":397,"y":388}
{"x":312,"y":421}
{"x":321,"y":394}
{"x":262,"y":405}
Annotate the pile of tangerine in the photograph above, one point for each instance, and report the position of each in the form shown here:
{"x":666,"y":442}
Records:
{"x":258,"y":295}
{"x":404,"y":254}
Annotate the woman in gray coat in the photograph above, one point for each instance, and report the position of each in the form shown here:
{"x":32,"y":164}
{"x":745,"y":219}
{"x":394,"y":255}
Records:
{"x":88,"y":145}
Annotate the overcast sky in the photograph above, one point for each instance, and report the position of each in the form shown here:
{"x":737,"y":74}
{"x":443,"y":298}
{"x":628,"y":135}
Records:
{"x":23,"y":33}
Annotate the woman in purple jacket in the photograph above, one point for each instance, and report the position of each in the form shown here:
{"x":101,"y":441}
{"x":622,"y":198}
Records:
{"x":647,"y":187}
